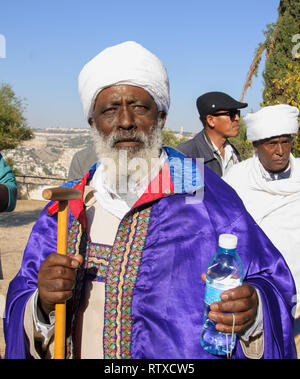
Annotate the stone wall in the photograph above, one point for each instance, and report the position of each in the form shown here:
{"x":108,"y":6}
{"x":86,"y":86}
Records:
{"x":31,"y":187}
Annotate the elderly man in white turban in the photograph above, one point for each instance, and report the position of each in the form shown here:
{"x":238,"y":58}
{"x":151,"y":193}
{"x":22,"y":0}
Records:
{"x":139,"y":239}
{"x":269,"y":182}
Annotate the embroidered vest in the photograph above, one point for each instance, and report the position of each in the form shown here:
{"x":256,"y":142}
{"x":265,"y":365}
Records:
{"x":118,"y":267}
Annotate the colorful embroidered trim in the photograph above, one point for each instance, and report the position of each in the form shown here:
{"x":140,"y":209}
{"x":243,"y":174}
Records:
{"x":121,"y":277}
{"x":75,"y":246}
{"x":96,"y":259}
{"x":118,"y":266}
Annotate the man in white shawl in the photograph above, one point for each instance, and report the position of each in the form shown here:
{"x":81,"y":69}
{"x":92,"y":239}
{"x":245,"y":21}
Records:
{"x":269,"y":182}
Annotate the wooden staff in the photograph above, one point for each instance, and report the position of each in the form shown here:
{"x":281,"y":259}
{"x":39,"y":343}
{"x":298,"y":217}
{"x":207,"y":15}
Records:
{"x":62,"y":195}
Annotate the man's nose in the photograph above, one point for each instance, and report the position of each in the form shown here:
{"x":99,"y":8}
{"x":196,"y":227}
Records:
{"x":126,"y":118}
{"x":279,"y":149}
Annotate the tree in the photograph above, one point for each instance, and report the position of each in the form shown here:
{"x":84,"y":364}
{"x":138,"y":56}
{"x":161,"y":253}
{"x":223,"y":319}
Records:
{"x":13,"y":127}
{"x":170,"y":139}
{"x":282,"y":72}
{"x":10,"y":162}
{"x":46,"y":171}
{"x":240,"y":142}
{"x":278,"y":46}
{"x":281,"y":61}
{"x":288,"y":90}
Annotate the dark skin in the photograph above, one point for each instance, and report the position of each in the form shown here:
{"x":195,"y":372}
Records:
{"x":274,"y":153}
{"x":122,"y":108}
{"x":242,"y":301}
{"x":56,"y":280}
{"x":130,"y":108}
{"x":219,"y":128}
{"x":127,"y":109}
{"x":3,"y":197}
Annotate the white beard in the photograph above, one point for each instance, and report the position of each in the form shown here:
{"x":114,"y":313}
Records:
{"x":125,"y":169}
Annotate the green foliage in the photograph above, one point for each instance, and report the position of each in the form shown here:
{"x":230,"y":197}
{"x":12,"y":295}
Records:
{"x":280,"y":60}
{"x":240,"y":142}
{"x":282,"y":71}
{"x":170,"y":139}
{"x":288,"y":92}
{"x":13,"y":128}
{"x":278,"y":47}
{"x":46,"y":171}
{"x":10,"y":162}
{"x":282,"y":68}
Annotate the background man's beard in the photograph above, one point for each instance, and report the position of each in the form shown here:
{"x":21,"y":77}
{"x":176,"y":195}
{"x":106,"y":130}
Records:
{"x":127,"y":166}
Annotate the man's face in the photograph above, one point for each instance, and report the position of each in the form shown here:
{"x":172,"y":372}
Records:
{"x":127,"y":134}
{"x":122,"y":112}
{"x":274,"y":153}
{"x":225,"y":123}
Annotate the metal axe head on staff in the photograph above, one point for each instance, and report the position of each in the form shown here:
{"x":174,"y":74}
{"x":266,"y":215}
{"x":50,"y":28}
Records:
{"x":62,"y":195}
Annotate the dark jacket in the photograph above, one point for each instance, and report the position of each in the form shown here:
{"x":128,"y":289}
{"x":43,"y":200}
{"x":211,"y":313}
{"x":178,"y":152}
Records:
{"x":81,"y":162}
{"x":8,"y":195}
{"x":198,"y":147}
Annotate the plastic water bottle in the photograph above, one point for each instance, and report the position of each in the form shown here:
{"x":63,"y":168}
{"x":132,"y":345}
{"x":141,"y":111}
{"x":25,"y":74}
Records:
{"x":225,"y":271}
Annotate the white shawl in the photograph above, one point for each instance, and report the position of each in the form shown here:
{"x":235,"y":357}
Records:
{"x":274,"y":205}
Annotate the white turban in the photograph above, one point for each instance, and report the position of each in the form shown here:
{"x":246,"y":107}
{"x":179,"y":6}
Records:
{"x":126,"y":63}
{"x":272,"y":121}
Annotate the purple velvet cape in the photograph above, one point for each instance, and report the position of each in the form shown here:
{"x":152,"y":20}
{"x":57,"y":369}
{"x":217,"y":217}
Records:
{"x":167,"y":307}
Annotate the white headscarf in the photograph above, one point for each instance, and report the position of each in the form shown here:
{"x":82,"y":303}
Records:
{"x":272,"y":121}
{"x":126,"y":63}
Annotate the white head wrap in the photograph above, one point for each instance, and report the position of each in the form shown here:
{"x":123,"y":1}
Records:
{"x":272,"y":121}
{"x":126,"y":63}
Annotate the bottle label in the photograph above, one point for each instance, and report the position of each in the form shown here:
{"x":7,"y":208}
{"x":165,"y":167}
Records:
{"x":212,"y":294}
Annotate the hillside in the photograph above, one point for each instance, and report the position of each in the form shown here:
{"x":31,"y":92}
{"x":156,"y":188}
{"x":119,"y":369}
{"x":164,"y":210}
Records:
{"x":49,"y":153}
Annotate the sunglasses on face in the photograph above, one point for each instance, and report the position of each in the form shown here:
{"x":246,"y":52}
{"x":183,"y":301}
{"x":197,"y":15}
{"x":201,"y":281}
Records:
{"x":232,"y":114}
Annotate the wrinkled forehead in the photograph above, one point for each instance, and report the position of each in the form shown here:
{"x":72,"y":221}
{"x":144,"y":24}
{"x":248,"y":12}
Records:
{"x":126,"y":91}
{"x":127,"y":63}
{"x":280,"y":138}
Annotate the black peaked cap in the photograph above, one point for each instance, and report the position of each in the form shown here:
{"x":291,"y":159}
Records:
{"x":212,"y":102}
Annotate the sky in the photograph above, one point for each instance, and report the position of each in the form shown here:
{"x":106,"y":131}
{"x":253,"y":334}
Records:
{"x":205,"y":46}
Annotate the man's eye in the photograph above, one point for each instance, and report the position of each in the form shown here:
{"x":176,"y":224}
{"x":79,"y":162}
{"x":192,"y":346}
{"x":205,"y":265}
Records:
{"x":109,"y":111}
{"x":140,"y":108}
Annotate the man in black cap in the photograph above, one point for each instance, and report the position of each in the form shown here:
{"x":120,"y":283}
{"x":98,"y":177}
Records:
{"x":219,"y":114}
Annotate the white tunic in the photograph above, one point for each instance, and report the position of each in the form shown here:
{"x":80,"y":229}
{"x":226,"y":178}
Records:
{"x":274,"y":205}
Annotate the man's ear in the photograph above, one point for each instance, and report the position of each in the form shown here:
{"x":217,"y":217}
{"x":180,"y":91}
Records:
{"x":210,"y":121}
{"x":255,"y":145}
{"x":163,"y":117}
{"x":91,"y":122}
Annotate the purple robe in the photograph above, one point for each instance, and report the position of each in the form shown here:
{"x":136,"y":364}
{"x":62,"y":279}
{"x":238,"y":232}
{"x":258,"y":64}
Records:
{"x":167,"y":302}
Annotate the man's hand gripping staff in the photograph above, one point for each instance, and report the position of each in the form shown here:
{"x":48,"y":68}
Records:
{"x":56,"y":277}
